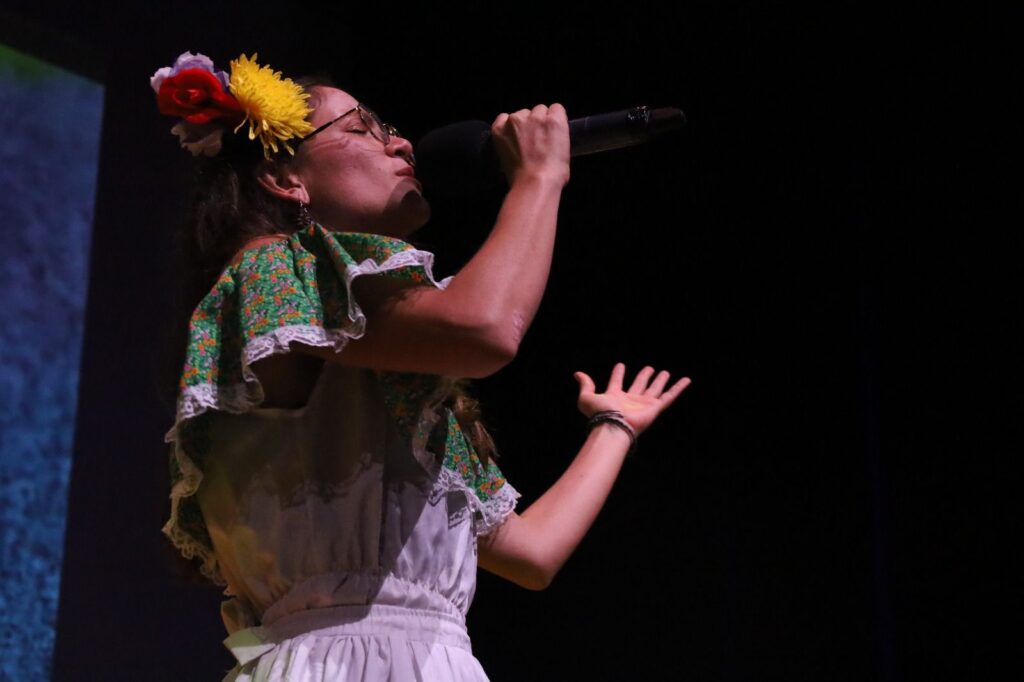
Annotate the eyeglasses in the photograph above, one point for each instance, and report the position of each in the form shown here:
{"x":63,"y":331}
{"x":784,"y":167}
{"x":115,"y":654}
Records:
{"x":378,"y":128}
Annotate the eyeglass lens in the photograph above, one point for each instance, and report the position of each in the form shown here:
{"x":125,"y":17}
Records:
{"x":377,"y":127}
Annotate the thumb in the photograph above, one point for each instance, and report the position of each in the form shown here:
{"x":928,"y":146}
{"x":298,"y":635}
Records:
{"x":586,"y":383}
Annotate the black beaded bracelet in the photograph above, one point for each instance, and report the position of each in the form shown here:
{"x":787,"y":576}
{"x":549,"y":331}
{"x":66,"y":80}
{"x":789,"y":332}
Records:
{"x":617,"y":418}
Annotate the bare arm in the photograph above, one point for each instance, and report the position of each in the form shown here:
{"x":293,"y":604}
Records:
{"x":474,"y":327}
{"x":531,"y":548}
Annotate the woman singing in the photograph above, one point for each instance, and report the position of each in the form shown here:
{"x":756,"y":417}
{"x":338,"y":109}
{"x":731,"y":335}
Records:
{"x":328,"y":467}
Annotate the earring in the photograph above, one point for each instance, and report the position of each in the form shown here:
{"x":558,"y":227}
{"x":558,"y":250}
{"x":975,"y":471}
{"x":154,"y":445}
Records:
{"x":303,"y":219}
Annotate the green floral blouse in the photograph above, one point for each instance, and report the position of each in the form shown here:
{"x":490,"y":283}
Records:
{"x":299,"y":289}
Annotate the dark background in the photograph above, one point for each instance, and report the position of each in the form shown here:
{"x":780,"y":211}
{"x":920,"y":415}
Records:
{"x":829,"y":251}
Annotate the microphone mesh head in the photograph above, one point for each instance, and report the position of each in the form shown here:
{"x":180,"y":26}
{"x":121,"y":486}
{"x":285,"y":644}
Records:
{"x":457,"y":159}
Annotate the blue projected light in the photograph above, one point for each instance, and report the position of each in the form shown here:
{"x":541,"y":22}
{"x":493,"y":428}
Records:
{"x":49,"y":149}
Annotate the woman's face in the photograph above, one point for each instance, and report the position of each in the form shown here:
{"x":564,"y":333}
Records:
{"x":355,"y":182}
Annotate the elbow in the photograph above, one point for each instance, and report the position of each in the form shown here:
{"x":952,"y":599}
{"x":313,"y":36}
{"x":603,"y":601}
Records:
{"x":500,"y":355}
{"x":488,"y":359}
{"x":538,"y":576}
{"x":504,"y":334}
{"x":535,"y":580}
{"x":495,"y":344}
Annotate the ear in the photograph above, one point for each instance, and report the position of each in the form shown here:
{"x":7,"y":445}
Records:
{"x":282,"y":181}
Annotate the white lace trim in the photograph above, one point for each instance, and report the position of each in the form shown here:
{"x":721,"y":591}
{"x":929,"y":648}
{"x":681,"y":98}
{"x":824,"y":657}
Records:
{"x":402,"y":259}
{"x":240,"y":398}
{"x":486,"y":515}
{"x":185,"y":543}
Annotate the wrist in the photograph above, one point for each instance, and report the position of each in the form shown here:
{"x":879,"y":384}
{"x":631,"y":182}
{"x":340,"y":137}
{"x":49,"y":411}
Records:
{"x":609,"y":433}
{"x":609,"y":421}
{"x":543,"y":178}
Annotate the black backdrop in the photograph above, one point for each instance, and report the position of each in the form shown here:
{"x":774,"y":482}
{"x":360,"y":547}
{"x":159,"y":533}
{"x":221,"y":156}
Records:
{"x":827,"y":251}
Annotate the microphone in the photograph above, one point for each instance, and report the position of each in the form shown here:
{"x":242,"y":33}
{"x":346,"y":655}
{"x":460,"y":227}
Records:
{"x":460,"y":158}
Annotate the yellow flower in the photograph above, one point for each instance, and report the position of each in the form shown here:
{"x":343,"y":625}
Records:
{"x":274,"y":106}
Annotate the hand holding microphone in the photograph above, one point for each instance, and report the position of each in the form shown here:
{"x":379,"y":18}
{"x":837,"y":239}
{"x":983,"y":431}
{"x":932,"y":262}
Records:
{"x":461,"y":158}
{"x":533,"y":143}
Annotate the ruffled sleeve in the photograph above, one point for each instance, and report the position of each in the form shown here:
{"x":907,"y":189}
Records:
{"x":432,"y":427}
{"x":490,"y":496}
{"x":294,"y":290}
{"x":300,"y":289}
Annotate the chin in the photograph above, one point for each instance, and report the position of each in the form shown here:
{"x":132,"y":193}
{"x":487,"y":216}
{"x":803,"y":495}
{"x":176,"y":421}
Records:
{"x":414,"y":214}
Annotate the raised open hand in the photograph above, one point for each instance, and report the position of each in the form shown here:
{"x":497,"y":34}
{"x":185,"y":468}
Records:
{"x":640,"y":405}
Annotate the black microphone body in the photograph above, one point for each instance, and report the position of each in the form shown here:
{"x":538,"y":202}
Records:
{"x":624,"y":128}
{"x":460,"y":158}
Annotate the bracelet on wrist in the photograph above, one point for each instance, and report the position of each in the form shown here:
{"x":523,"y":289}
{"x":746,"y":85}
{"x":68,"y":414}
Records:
{"x":614,"y":417}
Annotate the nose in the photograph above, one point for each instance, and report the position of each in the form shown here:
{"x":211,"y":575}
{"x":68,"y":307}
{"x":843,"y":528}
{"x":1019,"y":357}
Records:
{"x":399,"y":146}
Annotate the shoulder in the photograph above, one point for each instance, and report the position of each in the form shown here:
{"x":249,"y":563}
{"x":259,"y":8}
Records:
{"x":254,"y":246}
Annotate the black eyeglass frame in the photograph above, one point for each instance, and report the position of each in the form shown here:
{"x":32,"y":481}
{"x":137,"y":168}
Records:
{"x":369,"y":119}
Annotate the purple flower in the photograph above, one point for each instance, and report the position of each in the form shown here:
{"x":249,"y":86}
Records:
{"x":187,"y":60}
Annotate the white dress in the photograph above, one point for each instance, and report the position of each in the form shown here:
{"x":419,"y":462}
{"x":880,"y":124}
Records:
{"x":346,"y":531}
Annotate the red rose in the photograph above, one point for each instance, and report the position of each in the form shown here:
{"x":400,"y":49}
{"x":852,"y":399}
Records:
{"x":197,"y":96}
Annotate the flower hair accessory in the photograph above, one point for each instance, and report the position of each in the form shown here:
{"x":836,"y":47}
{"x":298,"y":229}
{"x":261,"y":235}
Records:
{"x":208,"y":100}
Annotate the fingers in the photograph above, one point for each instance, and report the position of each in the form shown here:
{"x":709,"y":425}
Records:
{"x":586,"y":383}
{"x":671,"y":394}
{"x":615,"y":381}
{"x":533,"y":143}
{"x":639,"y":385}
{"x":499,"y":122}
{"x":541,"y":111}
{"x":642,"y":377}
{"x":658,"y":385}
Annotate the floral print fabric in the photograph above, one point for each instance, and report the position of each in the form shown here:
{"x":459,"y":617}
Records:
{"x":299,"y":289}
{"x":301,"y":282}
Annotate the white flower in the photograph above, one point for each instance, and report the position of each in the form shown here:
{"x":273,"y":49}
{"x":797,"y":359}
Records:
{"x":200,"y":140}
